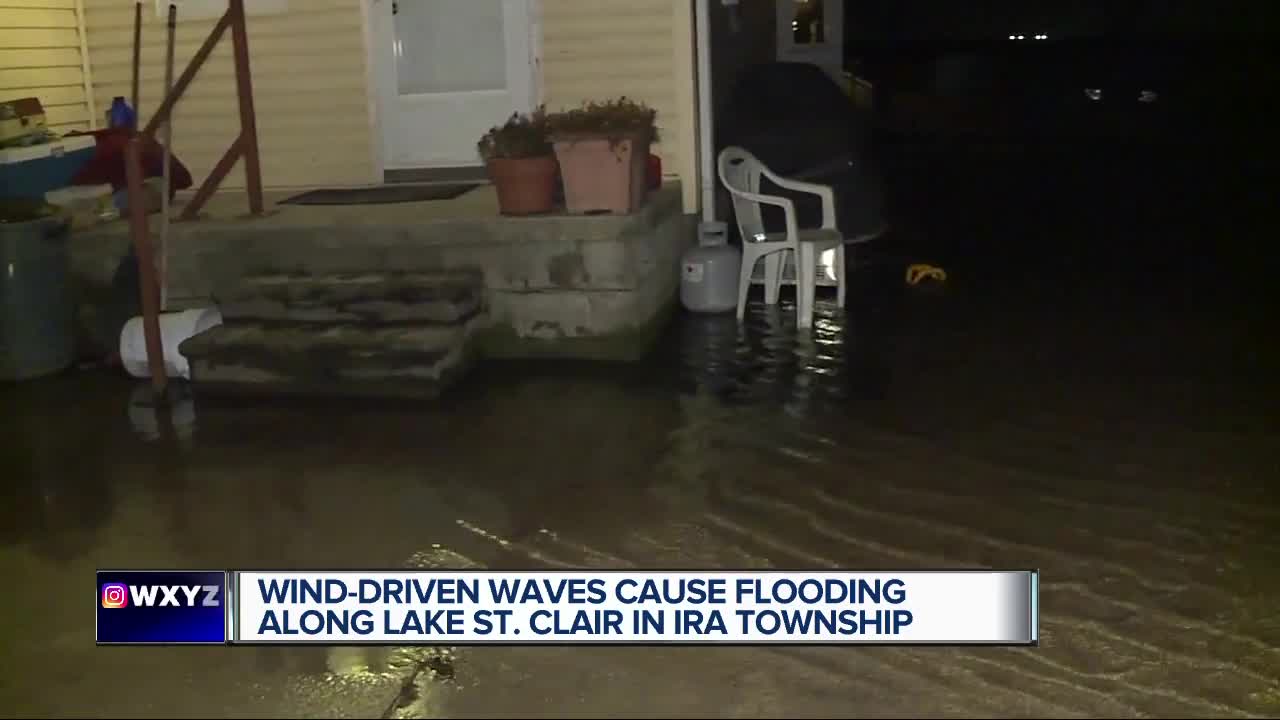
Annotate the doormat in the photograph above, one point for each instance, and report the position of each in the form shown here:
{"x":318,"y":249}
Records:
{"x":382,"y":195}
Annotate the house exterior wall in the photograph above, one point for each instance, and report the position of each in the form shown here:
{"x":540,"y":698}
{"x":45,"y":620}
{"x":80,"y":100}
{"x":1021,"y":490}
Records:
{"x":40,"y":56}
{"x":313,"y":90}
{"x":309,"y":83}
{"x":639,"y":48}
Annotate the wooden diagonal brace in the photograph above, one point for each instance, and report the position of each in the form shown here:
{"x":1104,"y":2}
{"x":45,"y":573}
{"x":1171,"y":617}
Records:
{"x":216,"y":176}
{"x":179,"y":87}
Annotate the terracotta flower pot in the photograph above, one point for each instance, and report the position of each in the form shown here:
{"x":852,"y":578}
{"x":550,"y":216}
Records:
{"x":603,"y":174}
{"x":526,"y":186}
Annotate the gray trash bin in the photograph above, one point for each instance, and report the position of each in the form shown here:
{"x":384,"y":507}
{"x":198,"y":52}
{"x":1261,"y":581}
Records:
{"x":37,"y":311}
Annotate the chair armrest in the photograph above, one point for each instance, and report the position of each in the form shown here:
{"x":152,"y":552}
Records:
{"x":788,"y":209}
{"x":825,"y":192}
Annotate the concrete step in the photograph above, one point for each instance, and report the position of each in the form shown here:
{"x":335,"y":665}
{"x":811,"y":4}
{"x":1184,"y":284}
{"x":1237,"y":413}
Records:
{"x":446,"y":297}
{"x":329,"y":359}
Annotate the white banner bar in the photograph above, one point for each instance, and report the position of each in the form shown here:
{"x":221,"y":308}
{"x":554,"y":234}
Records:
{"x":458,"y":607}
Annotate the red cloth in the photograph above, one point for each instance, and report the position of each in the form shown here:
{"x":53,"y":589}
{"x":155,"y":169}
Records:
{"x":107,"y":164}
{"x":653,"y":172}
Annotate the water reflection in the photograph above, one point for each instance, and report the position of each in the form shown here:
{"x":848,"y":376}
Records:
{"x":52,"y":455}
{"x":519,"y":452}
{"x":767,"y":359}
{"x":173,"y":420}
{"x":881,"y":437}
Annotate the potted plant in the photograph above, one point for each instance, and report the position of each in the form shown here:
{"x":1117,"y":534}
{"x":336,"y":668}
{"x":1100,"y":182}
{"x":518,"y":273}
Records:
{"x":603,"y":149}
{"x":521,"y":163}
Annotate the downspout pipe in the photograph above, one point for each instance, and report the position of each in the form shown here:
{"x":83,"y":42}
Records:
{"x":706,"y":119}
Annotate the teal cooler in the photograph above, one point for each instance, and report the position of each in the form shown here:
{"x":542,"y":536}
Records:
{"x":32,"y":171}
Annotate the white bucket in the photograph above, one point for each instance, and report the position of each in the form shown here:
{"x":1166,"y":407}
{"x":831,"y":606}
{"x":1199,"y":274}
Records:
{"x":174,"y":328}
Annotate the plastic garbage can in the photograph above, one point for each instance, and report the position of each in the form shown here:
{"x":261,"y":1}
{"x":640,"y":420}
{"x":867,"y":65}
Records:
{"x":37,"y":311}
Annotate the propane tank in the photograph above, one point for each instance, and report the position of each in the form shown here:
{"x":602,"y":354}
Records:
{"x":709,"y":275}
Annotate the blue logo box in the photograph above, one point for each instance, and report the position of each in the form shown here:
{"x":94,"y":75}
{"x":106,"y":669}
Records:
{"x":161,"y":607}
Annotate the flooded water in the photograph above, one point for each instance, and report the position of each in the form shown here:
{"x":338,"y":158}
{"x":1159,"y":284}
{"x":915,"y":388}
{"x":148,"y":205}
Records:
{"x":1108,"y":418}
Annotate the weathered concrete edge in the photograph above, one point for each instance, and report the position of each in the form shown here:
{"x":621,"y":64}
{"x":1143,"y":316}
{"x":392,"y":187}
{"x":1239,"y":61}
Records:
{"x":613,"y":320}
{"x":218,"y":378}
{"x":595,"y":325}
{"x":629,"y":344}
{"x":658,"y":206}
{"x":585,"y":253}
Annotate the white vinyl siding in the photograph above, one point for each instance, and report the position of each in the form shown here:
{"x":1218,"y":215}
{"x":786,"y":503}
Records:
{"x":309,"y":86}
{"x":639,"y":48}
{"x":40,"y":57}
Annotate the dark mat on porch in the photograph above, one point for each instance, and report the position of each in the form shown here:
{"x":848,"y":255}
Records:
{"x":382,"y":195}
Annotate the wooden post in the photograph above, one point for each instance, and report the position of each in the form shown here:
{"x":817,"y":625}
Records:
{"x":137,"y":60}
{"x":248,"y":121}
{"x":150,"y":291}
{"x":168,"y":160}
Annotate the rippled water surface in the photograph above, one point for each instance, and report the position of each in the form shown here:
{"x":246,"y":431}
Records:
{"x":1061,"y":410}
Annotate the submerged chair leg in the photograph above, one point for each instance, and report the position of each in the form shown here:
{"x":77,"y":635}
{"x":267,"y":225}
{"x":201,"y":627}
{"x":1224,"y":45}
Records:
{"x":806,"y":270}
{"x":842,"y":275}
{"x":773,"y":276}
{"x":744,"y":282}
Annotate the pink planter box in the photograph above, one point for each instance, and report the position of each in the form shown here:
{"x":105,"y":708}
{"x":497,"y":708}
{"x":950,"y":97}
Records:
{"x":603,"y":175}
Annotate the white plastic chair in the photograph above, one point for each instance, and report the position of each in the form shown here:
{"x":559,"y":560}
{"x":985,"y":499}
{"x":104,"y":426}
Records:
{"x":740,"y":172}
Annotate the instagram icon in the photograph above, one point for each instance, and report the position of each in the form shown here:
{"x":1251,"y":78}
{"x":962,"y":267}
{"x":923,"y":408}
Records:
{"x":115,"y":595}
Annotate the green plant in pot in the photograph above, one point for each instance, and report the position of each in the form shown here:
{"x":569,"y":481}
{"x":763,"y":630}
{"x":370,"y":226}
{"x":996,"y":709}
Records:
{"x":603,"y":149}
{"x":521,"y":163}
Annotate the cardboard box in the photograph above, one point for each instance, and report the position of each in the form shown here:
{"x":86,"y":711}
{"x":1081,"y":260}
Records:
{"x":21,"y":119}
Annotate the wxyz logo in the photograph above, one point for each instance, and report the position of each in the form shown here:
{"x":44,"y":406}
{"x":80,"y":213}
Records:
{"x":119,"y":595}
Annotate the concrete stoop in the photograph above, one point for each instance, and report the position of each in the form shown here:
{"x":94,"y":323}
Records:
{"x":327,"y":284}
{"x":394,"y":335}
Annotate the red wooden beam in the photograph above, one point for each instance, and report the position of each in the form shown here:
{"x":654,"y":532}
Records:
{"x":137,"y":60}
{"x":150,"y":290}
{"x":248,"y":122}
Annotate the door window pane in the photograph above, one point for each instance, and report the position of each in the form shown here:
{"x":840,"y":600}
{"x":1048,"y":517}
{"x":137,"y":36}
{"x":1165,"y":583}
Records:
{"x":807,"y":24}
{"x":449,"y":46}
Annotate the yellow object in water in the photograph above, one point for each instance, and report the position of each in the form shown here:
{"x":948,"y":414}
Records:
{"x":920,"y":272}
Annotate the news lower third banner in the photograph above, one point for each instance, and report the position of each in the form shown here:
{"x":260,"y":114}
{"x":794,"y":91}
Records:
{"x":631,"y":607}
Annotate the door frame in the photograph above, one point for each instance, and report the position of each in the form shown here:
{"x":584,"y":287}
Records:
{"x":373,"y":77}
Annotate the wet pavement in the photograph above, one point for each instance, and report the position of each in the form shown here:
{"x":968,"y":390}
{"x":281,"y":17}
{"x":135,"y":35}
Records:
{"x":1093,"y":395}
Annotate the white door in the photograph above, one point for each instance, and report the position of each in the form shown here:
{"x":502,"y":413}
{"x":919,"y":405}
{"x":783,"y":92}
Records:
{"x":812,"y":31}
{"x":448,"y":70}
